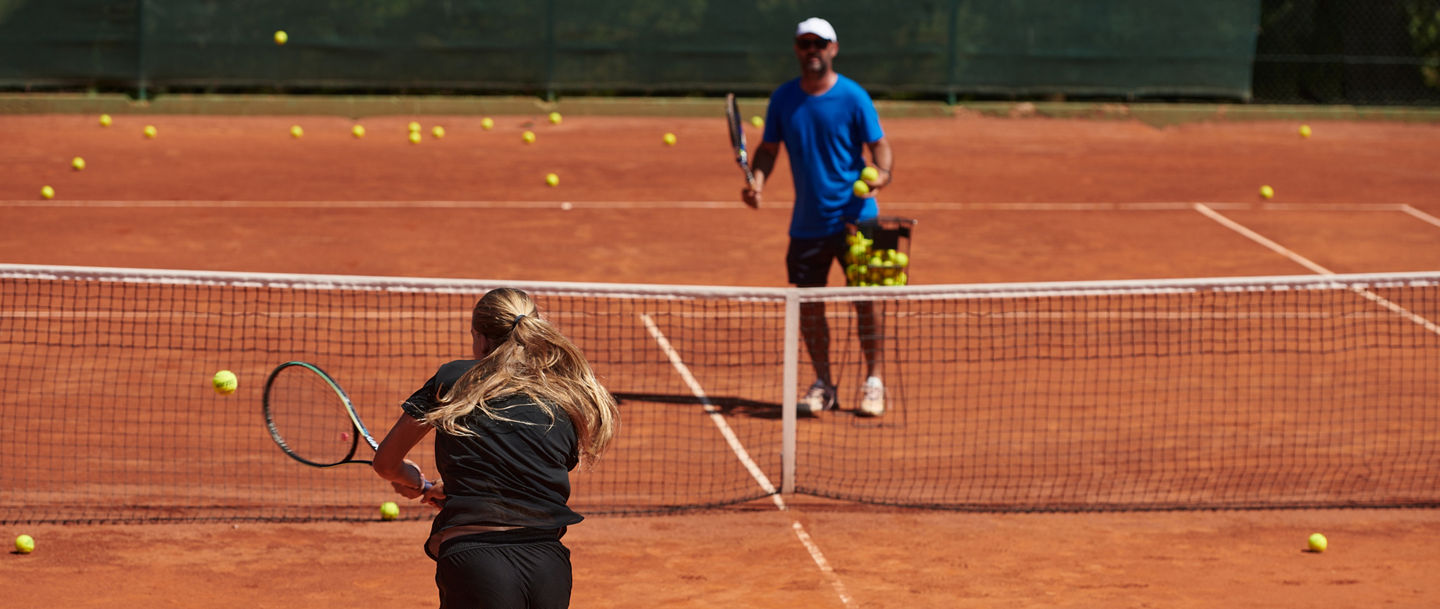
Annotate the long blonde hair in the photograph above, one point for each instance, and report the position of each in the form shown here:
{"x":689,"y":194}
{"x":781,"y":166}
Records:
{"x":528,"y":355}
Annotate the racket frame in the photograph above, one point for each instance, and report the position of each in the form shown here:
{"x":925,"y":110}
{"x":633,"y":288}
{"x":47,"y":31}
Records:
{"x":737,"y":138}
{"x":358,"y":426}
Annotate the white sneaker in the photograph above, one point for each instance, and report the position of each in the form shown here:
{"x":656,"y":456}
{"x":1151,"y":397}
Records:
{"x":820,"y":397}
{"x":873,"y":403}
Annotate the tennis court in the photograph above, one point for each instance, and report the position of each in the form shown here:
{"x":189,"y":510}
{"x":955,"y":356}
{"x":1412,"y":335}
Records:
{"x":1038,"y":200}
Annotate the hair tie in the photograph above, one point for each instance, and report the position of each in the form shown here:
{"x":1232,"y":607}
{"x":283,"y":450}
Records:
{"x":516,"y":322}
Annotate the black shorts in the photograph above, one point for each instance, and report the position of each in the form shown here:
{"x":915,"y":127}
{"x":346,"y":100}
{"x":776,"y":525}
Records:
{"x":522,"y":569}
{"x":808,"y":260}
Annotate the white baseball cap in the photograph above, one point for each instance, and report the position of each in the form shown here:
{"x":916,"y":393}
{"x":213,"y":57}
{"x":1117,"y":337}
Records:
{"x":816,"y":26}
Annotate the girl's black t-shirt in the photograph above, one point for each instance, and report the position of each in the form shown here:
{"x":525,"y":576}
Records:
{"x":508,"y":473}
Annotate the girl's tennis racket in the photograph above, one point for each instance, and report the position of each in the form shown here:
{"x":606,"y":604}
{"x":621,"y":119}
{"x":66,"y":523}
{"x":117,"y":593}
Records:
{"x":311,"y":417}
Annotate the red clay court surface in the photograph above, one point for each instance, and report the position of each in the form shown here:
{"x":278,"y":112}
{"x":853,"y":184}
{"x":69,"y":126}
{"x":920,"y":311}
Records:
{"x":241,"y":194}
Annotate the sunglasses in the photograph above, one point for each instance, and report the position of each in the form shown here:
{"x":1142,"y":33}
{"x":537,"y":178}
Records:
{"x":812,"y":43}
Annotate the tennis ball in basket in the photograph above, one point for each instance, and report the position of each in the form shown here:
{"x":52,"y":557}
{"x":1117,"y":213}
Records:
{"x":552,"y":179}
{"x":47,"y":192}
{"x":555,"y":118}
{"x":389,"y":511}
{"x":869,"y":174}
{"x":528,"y":137}
{"x":151,"y":132}
{"x":104,"y":120}
{"x":358,"y":131}
{"x":901,"y":259}
{"x":669,"y":139}
{"x":438,"y":132}
{"x":225,"y":382}
{"x":281,"y":37}
{"x":1266,"y":191}
{"x":78,"y":163}
{"x":1304,"y":130}
{"x":487,"y":123}
{"x":1318,"y":543}
{"x":296,"y":132}
{"x":414,"y":137}
{"x":861,"y":188}
{"x":24,"y":544}
{"x":858,"y":251}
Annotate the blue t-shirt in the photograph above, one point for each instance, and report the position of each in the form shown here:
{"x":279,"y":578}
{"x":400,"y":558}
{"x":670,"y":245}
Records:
{"x":825,"y":136}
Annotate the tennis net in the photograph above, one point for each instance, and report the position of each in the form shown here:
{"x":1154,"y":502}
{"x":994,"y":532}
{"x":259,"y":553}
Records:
{"x":1313,"y":391}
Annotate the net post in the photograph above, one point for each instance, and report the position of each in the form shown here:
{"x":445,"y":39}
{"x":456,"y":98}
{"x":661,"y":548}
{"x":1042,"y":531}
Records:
{"x":790,"y":378}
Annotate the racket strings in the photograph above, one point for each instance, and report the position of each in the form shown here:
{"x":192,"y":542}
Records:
{"x":309,"y":418}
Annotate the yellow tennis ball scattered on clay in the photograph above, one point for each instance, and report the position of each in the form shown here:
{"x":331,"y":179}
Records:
{"x":414,"y":137}
{"x":554,"y":118}
{"x":414,"y":126}
{"x":47,"y":192}
{"x":24,"y":544}
{"x":104,"y":120}
{"x":669,"y":139}
{"x":358,"y":131}
{"x":1304,"y":130}
{"x":78,"y":163}
{"x":528,"y":137}
{"x":1266,"y":191}
{"x":552,"y":179}
{"x":225,"y":382}
{"x":861,"y":188}
{"x":487,"y":123}
{"x":757,"y":121}
{"x":151,"y":131}
{"x":869,"y":174}
{"x":296,"y":132}
{"x":281,"y":37}
{"x":438,"y":132}
{"x":389,"y":511}
{"x":1318,"y":543}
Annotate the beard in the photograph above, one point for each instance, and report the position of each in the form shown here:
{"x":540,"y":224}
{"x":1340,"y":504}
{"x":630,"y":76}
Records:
{"x":815,"y":64}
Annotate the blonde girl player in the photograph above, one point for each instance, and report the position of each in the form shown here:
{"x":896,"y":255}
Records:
{"x":510,"y":424}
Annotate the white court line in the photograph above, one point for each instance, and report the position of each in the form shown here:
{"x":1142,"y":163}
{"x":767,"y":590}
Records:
{"x":1424,"y":217}
{"x":744,"y":456}
{"x":1307,"y":263}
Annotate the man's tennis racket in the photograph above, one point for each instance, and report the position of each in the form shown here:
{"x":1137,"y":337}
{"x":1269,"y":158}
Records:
{"x":737,"y":138}
{"x":311,"y":417}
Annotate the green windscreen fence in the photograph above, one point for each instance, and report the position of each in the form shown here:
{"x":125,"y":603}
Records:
{"x":942,"y":47}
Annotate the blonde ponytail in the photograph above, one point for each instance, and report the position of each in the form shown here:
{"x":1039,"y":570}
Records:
{"x":528,"y":355}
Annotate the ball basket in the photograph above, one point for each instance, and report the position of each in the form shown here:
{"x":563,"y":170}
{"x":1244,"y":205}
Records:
{"x":879,"y":253}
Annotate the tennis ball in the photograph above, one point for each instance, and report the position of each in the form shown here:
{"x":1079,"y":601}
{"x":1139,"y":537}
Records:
{"x":861,"y":188}
{"x":1318,"y":543}
{"x":358,"y":131}
{"x":487,"y":123}
{"x":528,"y":136}
{"x":78,"y":163}
{"x":669,"y":139}
{"x":858,"y":251}
{"x":438,"y":132}
{"x":414,"y":137}
{"x":901,"y":259}
{"x":151,"y":132}
{"x":225,"y":382}
{"x":24,"y":544}
{"x":47,"y":192}
{"x":869,"y":174}
{"x":104,"y":120}
{"x":389,"y":511}
{"x":1304,"y":130}
{"x":757,"y":121}
{"x":554,"y":118}
{"x":281,"y":37}
{"x":296,"y":132}
{"x":414,"y":126}
{"x":552,"y":179}
{"x":1266,"y":191}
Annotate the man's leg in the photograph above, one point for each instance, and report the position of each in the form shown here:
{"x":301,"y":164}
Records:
{"x":872,"y":402}
{"x":816,"y":332}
